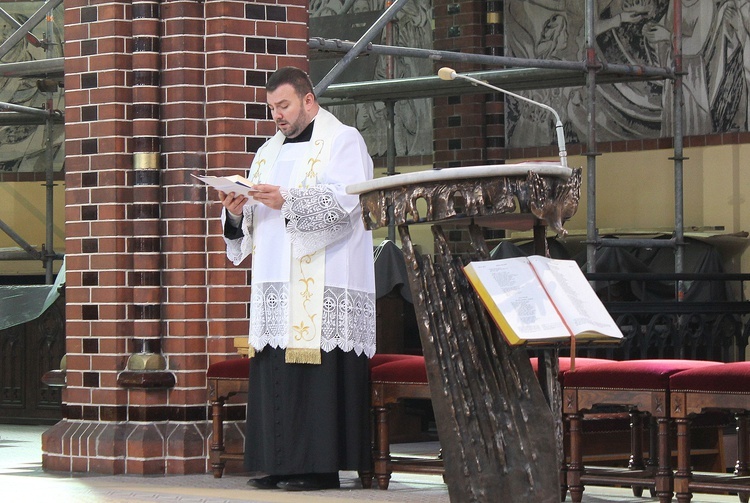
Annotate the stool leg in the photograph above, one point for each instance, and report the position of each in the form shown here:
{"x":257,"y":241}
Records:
{"x":636,"y":441}
{"x":664,"y":472}
{"x":683,"y":474}
{"x":575,"y":468}
{"x":366,"y":479}
{"x":563,"y":464}
{"x":382,"y":452}
{"x":652,"y":464}
{"x":217,"y":444}
{"x":742,"y":468}
{"x":636,"y":447}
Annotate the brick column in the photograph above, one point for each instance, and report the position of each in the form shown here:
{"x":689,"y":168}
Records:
{"x":468,"y":129}
{"x":98,"y":232}
{"x":151,"y":298}
{"x":459,"y":121}
{"x":495,"y":108}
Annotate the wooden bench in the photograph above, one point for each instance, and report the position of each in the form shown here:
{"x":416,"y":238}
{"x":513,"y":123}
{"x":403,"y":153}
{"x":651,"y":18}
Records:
{"x":226,"y":379}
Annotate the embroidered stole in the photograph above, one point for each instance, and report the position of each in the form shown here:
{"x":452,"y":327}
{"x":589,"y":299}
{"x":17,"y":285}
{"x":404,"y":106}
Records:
{"x":307,"y":272}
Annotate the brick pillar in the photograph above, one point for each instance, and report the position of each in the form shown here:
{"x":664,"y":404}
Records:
{"x":98,"y":232}
{"x":459,"y":121}
{"x":468,"y":128}
{"x":151,"y":298}
{"x":495,"y":108}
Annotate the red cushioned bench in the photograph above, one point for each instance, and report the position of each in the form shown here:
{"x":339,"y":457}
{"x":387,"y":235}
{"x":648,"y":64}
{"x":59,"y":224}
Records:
{"x":640,"y":386}
{"x":697,"y":391}
{"x":228,"y":378}
{"x":225,"y":379}
{"x":564,"y":365}
{"x":400,"y":378}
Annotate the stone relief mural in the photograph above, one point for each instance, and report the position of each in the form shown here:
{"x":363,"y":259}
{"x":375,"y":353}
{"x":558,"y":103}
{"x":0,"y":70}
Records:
{"x":349,"y":19}
{"x":22,"y":147}
{"x":716,"y":59}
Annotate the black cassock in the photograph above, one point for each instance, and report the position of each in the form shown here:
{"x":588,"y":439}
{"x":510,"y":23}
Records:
{"x":305,"y":418}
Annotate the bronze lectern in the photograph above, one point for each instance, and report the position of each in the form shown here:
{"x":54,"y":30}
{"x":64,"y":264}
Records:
{"x":500,"y":430}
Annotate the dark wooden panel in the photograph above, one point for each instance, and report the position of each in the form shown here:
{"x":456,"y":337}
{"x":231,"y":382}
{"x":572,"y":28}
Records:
{"x":27,"y":352}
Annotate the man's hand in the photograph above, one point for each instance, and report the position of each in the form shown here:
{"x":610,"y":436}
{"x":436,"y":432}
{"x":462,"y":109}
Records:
{"x":268,"y":195}
{"x":233,"y":203}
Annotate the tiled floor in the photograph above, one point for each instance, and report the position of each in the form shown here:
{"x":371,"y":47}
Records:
{"x":23,"y":481}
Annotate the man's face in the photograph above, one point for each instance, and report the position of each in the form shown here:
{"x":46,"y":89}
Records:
{"x":290,"y":112}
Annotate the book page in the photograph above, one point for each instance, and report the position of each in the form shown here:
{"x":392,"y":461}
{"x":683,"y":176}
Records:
{"x":519,"y":299}
{"x":573,"y":296}
{"x":235,"y":183}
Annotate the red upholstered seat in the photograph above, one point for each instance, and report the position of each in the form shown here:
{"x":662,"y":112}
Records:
{"x":236,"y":368}
{"x":394,"y":378}
{"x":225,"y":379}
{"x":564,"y":364}
{"x":640,"y":386}
{"x":405,"y":370}
{"x":631,"y":374}
{"x":697,"y":391}
{"x":381,"y":358}
{"x":726,"y":378}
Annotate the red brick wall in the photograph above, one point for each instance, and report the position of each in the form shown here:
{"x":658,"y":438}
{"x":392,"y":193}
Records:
{"x":145,"y":257}
{"x":459,"y":121}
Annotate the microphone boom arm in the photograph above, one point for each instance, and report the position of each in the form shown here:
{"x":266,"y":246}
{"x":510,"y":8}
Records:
{"x":558,"y":122}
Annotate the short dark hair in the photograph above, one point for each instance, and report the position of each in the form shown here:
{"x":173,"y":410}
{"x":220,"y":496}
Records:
{"x":295,"y":77}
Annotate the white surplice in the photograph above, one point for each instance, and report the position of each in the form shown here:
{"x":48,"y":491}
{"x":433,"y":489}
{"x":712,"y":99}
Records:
{"x":320,"y":217}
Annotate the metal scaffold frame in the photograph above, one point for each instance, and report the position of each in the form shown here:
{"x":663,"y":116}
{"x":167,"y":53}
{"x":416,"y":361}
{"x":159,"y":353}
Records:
{"x":522,"y":74}
{"x":47,"y":71}
{"x":517,"y":74}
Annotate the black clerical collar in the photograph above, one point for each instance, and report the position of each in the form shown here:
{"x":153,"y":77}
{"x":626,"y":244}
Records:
{"x":305,"y":135}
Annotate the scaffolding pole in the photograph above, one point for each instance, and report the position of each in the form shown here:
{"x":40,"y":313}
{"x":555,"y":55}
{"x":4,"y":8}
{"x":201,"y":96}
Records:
{"x":678,"y":146}
{"x":26,"y":27}
{"x":336,"y":45}
{"x":593,"y":241}
{"x":24,"y":110}
{"x":372,"y":32}
{"x":49,"y":247}
{"x":51,"y":68}
{"x":591,"y":147}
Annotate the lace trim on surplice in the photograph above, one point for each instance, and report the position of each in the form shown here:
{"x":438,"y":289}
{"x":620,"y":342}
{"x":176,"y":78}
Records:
{"x":348,"y":318}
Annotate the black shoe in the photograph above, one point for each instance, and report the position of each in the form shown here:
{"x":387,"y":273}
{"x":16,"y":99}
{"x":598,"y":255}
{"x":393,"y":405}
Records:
{"x":311,"y":482}
{"x":268,"y":482}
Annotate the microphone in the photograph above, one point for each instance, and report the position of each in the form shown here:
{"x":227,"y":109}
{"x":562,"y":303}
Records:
{"x":446,"y":73}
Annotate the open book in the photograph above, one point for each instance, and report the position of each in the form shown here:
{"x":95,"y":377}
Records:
{"x":235,"y":183}
{"x":536,"y":299}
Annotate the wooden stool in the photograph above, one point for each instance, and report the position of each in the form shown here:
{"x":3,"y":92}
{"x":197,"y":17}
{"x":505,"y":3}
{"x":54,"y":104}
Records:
{"x":225,"y":379}
{"x":720,"y":387}
{"x":397,"y":377}
{"x":563,"y":364}
{"x":390,"y":382}
{"x":229,"y":378}
{"x":640,"y":386}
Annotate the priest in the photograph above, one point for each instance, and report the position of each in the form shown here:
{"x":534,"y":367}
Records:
{"x":312,"y":313}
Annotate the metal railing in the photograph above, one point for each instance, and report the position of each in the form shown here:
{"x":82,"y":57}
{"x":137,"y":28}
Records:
{"x":711,"y":321}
